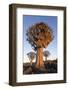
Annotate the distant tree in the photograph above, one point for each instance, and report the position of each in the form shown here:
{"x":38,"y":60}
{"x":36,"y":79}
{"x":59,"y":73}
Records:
{"x":39,"y":36}
{"x":46,"y":54}
{"x":31,"y":56}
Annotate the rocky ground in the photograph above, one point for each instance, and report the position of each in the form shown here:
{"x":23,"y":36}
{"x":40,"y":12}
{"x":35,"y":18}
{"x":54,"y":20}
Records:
{"x":49,"y":67}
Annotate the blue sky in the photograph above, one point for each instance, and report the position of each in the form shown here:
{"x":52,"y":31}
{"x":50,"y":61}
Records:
{"x":29,"y":20}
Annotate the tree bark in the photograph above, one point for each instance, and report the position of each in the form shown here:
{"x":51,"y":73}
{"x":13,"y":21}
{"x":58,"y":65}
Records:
{"x":45,"y":58}
{"x":31,"y":62}
{"x":39,"y":59}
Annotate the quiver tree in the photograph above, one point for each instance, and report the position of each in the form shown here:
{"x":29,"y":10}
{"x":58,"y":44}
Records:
{"x":46,"y":54}
{"x":31,"y":56}
{"x":39,"y":36}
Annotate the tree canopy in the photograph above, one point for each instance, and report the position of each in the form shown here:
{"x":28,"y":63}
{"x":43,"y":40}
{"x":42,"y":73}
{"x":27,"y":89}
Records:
{"x":46,"y":53}
{"x":31,"y":55}
{"x":39,"y":35}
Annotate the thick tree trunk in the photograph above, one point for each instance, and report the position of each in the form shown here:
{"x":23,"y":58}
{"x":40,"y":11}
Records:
{"x":39,"y":59}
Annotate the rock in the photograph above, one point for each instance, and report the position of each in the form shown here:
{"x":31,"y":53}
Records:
{"x":28,"y":71}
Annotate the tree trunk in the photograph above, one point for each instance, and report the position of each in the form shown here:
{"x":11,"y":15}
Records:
{"x":39,"y":59}
{"x":31,"y":62}
{"x":45,"y":58}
